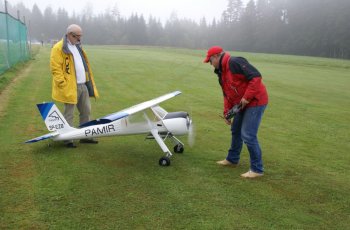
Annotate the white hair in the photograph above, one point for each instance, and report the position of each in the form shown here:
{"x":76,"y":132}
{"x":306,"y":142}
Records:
{"x":73,"y":28}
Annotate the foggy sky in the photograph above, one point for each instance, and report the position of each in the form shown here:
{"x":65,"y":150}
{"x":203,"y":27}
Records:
{"x":160,"y":9}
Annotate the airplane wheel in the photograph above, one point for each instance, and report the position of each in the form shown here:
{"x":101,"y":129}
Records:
{"x":164,"y":161}
{"x":179,"y":148}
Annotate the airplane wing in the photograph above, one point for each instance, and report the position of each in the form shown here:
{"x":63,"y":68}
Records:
{"x":131,"y":110}
{"x":43,"y":137}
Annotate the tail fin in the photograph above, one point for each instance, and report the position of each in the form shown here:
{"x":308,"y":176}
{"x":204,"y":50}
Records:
{"x":53,"y":118}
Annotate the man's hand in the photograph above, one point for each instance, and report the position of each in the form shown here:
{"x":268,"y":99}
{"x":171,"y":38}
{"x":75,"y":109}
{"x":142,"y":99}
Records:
{"x":62,"y":84}
{"x":228,"y":121}
{"x":244,"y":102}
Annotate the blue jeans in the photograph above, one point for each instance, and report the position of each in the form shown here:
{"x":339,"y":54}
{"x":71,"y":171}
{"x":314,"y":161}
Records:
{"x":244,"y":128}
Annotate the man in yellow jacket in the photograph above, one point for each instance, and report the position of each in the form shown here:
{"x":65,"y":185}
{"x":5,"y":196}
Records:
{"x":72,"y":79}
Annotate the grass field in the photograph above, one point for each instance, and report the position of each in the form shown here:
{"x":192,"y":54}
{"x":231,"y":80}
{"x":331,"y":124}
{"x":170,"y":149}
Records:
{"x":118,"y":183}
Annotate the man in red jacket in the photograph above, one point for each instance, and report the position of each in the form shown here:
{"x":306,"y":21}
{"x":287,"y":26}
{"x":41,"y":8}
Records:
{"x":245,"y":99}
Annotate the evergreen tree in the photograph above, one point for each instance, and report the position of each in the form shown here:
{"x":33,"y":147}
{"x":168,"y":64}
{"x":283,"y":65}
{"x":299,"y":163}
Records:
{"x":233,"y":12}
{"x":249,"y":26}
{"x":312,"y":27}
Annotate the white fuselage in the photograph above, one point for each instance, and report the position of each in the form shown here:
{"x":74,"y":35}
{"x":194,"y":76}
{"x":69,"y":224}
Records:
{"x":175,"y":126}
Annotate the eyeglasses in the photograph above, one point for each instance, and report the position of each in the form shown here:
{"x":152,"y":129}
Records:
{"x":76,"y":35}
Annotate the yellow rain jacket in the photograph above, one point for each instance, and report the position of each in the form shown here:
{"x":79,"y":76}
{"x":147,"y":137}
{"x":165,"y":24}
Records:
{"x":64,"y":82}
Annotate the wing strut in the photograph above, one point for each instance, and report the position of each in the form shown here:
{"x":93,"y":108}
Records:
{"x":163,"y":161}
{"x":161,"y":142}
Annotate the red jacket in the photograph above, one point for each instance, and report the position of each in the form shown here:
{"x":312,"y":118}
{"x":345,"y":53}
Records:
{"x":239,"y":79}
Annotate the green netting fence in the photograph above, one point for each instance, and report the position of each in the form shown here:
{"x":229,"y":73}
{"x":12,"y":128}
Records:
{"x":13,"y":42}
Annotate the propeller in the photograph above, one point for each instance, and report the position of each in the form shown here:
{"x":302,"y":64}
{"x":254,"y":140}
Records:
{"x":191,"y":131}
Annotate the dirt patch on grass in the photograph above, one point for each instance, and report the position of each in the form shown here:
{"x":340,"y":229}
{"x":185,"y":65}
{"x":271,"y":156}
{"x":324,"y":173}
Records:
{"x":5,"y":94}
{"x":19,"y":170}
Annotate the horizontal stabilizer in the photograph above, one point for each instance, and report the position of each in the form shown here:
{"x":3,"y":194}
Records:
{"x":43,"y":137}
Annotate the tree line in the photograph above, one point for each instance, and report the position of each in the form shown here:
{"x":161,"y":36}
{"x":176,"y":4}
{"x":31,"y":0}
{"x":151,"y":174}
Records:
{"x":300,"y":27}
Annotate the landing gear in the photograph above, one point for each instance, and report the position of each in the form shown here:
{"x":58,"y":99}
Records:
{"x":164,"y":161}
{"x":179,"y":148}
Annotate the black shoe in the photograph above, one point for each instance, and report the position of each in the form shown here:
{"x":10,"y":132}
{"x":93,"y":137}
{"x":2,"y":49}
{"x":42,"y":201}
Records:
{"x":71,"y":145}
{"x":88,"y":141}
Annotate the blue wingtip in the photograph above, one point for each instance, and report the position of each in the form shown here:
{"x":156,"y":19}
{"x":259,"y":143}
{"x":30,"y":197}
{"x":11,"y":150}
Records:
{"x":44,"y":137}
{"x":31,"y":141}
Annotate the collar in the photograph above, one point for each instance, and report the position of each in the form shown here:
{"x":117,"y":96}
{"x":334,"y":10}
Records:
{"x":65,"y":45}
{"x":220,"y":62}
{"x":223,"y":62}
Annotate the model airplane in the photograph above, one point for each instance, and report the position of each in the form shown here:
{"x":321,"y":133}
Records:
{"x":145,"y":118}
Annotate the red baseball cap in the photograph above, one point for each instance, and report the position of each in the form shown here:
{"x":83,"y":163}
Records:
{"x":212,"y":51}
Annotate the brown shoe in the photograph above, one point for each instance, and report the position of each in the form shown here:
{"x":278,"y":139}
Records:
{"x":226,"y":163}
{"x":251,"y":174}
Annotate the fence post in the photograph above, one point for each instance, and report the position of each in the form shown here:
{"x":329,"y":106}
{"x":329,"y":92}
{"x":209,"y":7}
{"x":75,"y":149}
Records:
{"x":30,"y":39}
{"x":7,"y":36}
{"x":19,"y":35}
{"x":26,"y":43}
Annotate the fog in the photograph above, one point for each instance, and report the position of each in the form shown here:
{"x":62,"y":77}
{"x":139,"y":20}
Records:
{"x":302,"y":27}
{"x":160,"y":9}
